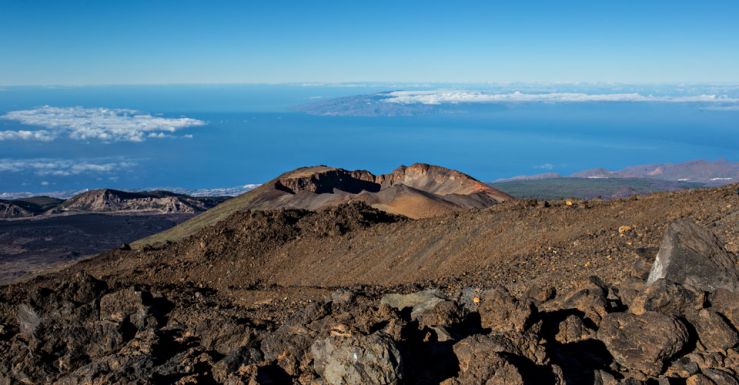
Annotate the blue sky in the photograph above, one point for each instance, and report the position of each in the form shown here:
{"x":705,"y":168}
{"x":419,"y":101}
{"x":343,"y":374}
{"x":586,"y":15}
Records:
{"x":76,"y":42}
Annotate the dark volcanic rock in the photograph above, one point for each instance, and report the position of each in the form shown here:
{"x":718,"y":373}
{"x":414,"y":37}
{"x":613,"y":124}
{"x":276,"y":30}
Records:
{"x":233,"y":367}
{"x":714,"y":332}
{"x":501,"y":311}
{"x":222,"y":307}
{"x":726,"y":303}
{"x":419,"y":302}
{"x":77,"y":332}
{"x":720,"y":377}
{"x":128,"y":306}
{"x":693,"y":256}
{"x":372,"y":359}
{"x":222,"y":335}
{"x":591,"y":299}
{"x":644,"y":342}
{"x":28,"y":320}
{"x":329,"y":179}
{"x":445,"y":313}
{"x":572,"y":329}
{"x":667,"y":298}
{"x":81,"y":288}
{"x":482,"y":361}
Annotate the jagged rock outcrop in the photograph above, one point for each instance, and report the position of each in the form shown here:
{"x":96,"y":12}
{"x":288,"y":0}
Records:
{"x":419,"y":302}
{"x":644,"y":342}
{"x":481,"y":361}
{"x":323,"y":179}
{"x":502,"y":312}
{"x":693,"y":256}
{"x":714,"y":332}
{"x":372,"y":360}
{"x":668,"y":298}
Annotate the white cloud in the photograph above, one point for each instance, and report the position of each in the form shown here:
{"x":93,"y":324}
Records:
{"x":63,"y":167}
{"x":158,"y":135}
{"x":723,"y":108}
{"x":40,"y":135}
{"x":461,"y":96}
{"x":104,"y":124}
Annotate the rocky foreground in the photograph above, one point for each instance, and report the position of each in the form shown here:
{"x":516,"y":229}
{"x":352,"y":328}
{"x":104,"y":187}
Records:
{"x":677,"y":326}
{"x":226,"y":305}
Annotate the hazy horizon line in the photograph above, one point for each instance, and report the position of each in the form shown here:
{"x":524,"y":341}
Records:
{"x":379,"y":82}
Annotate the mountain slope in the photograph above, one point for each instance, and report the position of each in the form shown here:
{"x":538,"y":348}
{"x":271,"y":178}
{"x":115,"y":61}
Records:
{"x":416,"y":191}
{"x":516,"y":243}
{"x":9,"y":209}
{"x":27,"y":207}
{"x":108,"y":200}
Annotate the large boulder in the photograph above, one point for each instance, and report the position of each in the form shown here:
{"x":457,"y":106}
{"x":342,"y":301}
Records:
{"x":28,"y":320}
{"x":699,"y":379}
{"x":502,"y":312}
{"x":81,"y":288}
{"x":445,"y":313}
{"x":668,"y":298}
{"x":714,"y":332}
{"x":419,"y":302}
{"x":371,"y":359}
{"x":720,"y":377}
{"x":692,"y":256}
{"x":572,"y":329}
{"x":128,"y":306}
{"x":643,"y":343}
{"x":233,"y":364}
{"x":287,"y":346}
{"x":222,"y":335}
{"x":589,"y":297}
{"x":431,"y":309}
{"x":726,"y":303}
{"x":484,"y":360}
{"x":682,"y":367}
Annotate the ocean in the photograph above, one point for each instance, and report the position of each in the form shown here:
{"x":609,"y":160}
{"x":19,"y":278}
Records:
{"x":251,"y":133}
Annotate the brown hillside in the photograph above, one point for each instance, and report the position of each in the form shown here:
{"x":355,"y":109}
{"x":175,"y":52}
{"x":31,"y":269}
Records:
{"x":516,"y":243}
{"x":416,"y":191}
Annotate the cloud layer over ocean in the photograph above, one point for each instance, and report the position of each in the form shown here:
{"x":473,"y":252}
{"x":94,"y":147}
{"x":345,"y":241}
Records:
{"x":435,"y":97}
{"x":64,"y":167}
{"x":103,"y":124}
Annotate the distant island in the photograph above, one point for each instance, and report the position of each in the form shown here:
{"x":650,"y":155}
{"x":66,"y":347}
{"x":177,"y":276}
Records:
{"x":603,"y":183}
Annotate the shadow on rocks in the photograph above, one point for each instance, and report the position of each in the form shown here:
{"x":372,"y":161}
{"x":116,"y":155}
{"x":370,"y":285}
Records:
{"x":579,"y":357}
